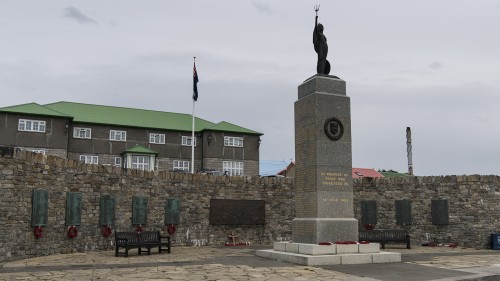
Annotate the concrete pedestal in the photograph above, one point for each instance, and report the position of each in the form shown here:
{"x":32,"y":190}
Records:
{"x":316,"y":230}
{"x":310,"y":254}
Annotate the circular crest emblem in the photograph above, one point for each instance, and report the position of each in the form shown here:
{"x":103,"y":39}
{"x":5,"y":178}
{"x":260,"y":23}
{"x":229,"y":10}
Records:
{"x":334,"y":128}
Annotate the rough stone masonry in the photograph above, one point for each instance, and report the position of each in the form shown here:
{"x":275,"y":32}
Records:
{"x":474,"y":205}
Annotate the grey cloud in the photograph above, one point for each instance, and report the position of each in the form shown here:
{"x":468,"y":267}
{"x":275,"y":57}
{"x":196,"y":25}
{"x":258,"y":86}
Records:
{"x":435,"y":65}
{"x":74,"y":13}
{"x":263,"y":7}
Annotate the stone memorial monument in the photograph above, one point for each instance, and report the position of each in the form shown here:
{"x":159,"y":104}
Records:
{"x":324,"y":195}
{"x":323,"y":180}
{"x":324,"y":230}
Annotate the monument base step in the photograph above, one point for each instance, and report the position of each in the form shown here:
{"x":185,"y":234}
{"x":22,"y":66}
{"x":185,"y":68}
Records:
{"x":382,"y":257}
{"x":313,"y":254}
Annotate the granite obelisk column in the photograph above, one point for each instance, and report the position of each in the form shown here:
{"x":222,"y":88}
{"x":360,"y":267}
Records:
{"x":324,"y":195}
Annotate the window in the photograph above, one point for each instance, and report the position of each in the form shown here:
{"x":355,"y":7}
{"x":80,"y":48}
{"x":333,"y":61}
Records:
{"x":186,"y":141}
{"x":140,"y":162}
{"x":117,"y":135}
{"x":89,"y":159}
{"x":118,"y":161}
{"x":181,"y":165}
{"x":157,"y":138}
{"x":233,"y":141}
{"x":31,"y":125}
{"x":81,"y":133}
{"x":233,"y":168}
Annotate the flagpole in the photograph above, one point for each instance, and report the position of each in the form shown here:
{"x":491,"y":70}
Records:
{"x":192,"y":131}
{"x":192,"y":144}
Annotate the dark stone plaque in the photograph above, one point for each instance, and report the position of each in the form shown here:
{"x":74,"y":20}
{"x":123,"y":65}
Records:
{"x":39,"y":207}
{"x":403,"y":212}
{"x":369,"y":212}
{"x":73,"y":208}
{"x":139,"y":210}
{"x":107,"y":210}
{"x":333,"y":129}
{"x":237,"y":212}
{"x":439,"y":211}
{"x":172,"y":211}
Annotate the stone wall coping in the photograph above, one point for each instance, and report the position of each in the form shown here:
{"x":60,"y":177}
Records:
{"x":429,"y":179}
{"x":61,"y":163}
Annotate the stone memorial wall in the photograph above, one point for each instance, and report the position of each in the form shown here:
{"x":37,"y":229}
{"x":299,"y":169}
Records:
{"x":443,"y":210}
{"x":471,"y":212}
{"x":75,"y":193}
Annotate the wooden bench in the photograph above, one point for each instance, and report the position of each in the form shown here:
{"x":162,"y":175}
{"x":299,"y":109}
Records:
{"x":384,"y":236}
{"x":140,"y":240}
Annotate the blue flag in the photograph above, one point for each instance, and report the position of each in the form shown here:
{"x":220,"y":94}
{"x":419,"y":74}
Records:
{"x":195,"y":83}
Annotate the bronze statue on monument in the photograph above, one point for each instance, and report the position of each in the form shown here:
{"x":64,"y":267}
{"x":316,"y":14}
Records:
{"x":320,"y":46}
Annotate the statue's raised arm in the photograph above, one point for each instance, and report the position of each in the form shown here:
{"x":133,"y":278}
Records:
{"x":315,"y":33}
{"x":320,"y":46}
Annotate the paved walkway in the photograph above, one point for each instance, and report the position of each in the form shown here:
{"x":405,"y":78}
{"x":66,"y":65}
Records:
{"x":240,"y":263}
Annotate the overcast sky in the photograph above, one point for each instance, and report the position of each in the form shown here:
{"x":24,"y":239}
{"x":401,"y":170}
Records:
{"x":432,"y":65}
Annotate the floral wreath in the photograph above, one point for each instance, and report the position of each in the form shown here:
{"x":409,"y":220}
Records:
{"x":369,"y":226}
{"x":38,"y":232}
{"x":106,"y":231}
{"x":139,"y":228}
{"x":171,"y":229}
{"x":72,"y":231}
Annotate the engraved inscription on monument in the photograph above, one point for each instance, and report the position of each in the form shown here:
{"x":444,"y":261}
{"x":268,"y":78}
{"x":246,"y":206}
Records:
{"x":40,"y":203}
{"x":336,"y":200}
{"x":237,"y":212}
{"x":439,"y":212}
{"x":107,"y":210}
{"x":334,"y":179}
{"x":139,"y":210}
{"x":369,"y":212}
{"x":172,"y":211}
{"x":73,"y":208}
{"x":403,"y":212}
{"x":334,"y":128}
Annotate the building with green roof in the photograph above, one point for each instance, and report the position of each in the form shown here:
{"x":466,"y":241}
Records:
{"x":393,"y":174}
{"x":129,"y":137}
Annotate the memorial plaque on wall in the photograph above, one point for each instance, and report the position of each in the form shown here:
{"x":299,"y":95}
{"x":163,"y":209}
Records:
{"x":107,"y":210}
{"x":39,"y":207}
{"x":172,"y":211}
{"x":139,"y":210}
{"x":403,"y":212}
{"x":369,"y":212}
{"x":439,"y":211}
{"x":73,"y":208}
{"x":237,"y":212}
